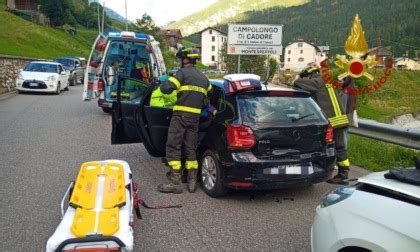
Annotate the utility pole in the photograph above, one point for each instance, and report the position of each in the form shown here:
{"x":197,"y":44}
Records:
{"x":103,"y":17}
{"x":99,"y":19}
{"x":126,"y":24}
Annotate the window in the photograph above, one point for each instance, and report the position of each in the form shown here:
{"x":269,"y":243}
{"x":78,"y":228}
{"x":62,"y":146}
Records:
{"x":213,"y":38}
{"x":210,"y":31}
{"x":300,"y":59}
{"x":289,"y":52}
{"x":213,"y":48}
{"x":288,"y":59}
{"x":300,"y":44}
{"x":213,"y":58}
{"x":301,"y":51}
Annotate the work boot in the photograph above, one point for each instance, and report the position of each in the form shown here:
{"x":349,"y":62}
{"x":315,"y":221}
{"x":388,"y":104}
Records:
{"x":342,"y":177}
{"x":192,"y":180}
{"x":174,"y":185}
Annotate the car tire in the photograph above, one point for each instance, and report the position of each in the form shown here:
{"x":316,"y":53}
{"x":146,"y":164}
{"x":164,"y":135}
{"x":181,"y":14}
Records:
{"x":67,"y":87}
{"x":73,"y":81}
{"x":212,"y":175}
{"x":57,"y":92}
{"x":20,"y":92}
{"x":107,"y":110}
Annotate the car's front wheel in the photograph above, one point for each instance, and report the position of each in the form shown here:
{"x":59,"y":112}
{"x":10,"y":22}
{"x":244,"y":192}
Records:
{"x":212,"y":175}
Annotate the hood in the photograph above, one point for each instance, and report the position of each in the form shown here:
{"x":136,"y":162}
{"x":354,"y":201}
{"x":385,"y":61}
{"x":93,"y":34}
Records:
{"x":378,"y":179}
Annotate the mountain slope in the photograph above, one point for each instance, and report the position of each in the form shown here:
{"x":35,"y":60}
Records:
{"x":222,"y":11}
{"x":22,"y":38}
{"x":328,"y":22}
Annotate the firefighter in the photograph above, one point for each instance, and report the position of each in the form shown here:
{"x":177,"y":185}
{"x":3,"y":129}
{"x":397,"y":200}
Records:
{"x":328,"y":100}
{"x":192,"y":87}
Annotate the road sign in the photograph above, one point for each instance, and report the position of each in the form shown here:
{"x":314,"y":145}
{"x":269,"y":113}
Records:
{"x":255,"y":39}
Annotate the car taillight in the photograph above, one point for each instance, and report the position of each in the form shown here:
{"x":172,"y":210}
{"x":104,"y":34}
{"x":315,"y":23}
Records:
{"x":240,"y":137}
{"x":329,"y":135}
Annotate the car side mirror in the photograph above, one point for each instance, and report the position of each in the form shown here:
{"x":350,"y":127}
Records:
{"x":77,"y":64}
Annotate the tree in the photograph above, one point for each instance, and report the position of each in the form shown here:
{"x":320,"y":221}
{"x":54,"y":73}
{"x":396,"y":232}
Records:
{"x":146,"y":25}
{"x":55,"y":11}
{"x":254,"y":64}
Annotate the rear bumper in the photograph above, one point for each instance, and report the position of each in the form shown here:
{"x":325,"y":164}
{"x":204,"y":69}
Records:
{"x":104,"y":103}
{"x":252,"y":173}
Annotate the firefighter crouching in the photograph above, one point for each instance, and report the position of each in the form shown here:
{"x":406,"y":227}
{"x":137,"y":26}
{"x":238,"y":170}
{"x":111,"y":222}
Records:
{"x":192,"y":87}
{"x":328,"y":100}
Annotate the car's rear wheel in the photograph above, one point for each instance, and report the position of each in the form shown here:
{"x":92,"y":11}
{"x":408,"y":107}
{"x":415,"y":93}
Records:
{"x":73,"y":81}
{"x":212,"y":175}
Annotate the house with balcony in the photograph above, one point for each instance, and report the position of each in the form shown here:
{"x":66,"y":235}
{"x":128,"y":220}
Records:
{"x":298,"y":54}
{"x":172,"y":37}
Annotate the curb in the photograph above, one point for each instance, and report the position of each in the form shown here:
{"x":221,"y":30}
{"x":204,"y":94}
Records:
{"x":8,"y":95}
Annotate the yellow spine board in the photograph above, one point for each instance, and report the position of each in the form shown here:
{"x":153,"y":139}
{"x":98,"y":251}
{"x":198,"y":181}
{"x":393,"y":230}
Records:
{"x":98,"y":194}
{"x":114,"y":193}
{"x":84,"y":192}
{"x":86,"y":222}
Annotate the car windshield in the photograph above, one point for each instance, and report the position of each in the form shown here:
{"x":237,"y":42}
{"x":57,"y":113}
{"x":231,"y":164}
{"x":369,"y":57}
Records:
{"x":41,"y":67}
{"x":278,"y":109}
{"x":68,"y":64}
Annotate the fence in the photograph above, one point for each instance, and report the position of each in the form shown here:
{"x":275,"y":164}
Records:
{"x":407,"y":137}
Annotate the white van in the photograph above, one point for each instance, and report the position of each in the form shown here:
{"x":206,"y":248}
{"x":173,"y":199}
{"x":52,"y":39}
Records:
{"x":132,"y":60}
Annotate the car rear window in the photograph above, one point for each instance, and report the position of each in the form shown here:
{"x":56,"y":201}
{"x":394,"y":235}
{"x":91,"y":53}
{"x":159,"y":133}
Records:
{"x":278,"y":109}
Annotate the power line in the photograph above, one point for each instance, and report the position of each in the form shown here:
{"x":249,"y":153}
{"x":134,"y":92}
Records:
{"x":401,"y":44}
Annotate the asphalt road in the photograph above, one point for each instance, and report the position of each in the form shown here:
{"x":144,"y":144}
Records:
{"x":44,"y":140}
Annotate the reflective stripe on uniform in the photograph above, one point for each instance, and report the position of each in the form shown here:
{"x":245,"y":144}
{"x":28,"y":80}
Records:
{"x":187,"y":109}
{"x":193,"y":88}
{"x":333,"y":99}
{"x":176,"y":165}
{"x":191,"y":164}
{"x":175,"y":82}
{"x":338,"y":120}
{"x":345,"y":163}
{"x":192,"y":55}
{"x":209,"y":88}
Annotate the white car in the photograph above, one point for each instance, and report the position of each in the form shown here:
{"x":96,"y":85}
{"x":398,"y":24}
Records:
{"x":377,"y":214}
{"x":40,"y":76}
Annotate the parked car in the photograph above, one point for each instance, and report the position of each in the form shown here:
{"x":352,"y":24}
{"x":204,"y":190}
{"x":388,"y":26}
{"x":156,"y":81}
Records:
{"x":259,"y":139}
{"x":42,"y":76}
{"x":134,"y":59}
{"x":75,"y":66}
{"x":376,"y":214}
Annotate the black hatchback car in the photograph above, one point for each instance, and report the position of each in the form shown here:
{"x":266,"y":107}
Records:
{"x":272,"y":138}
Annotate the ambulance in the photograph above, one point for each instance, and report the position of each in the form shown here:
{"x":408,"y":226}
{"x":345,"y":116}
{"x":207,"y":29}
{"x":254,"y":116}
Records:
{"x":130,"y":60}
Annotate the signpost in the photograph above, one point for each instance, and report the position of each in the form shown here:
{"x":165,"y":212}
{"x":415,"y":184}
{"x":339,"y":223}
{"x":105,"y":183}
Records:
{"x":254,"y":39}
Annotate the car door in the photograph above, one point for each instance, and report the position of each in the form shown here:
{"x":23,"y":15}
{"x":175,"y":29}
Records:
{"x":79,"y":70}
{"x":140,"y":123}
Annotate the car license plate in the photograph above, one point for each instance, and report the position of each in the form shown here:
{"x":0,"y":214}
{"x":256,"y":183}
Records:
{"x":293,"y":169}
{"x":33,"y":84}
{"x":290,"y":170}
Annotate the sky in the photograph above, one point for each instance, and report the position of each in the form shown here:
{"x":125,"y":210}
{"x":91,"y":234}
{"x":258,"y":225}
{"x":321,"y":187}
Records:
{"x":162,"y":11}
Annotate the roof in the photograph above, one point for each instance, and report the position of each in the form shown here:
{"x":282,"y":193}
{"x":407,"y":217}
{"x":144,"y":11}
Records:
{"x":378,"y":179}
{"x":47,"y":62}
{"x":212,"y":28}
{"x":380,"y":50}
{"x":301,"y":40}
{"x":170,"y":33}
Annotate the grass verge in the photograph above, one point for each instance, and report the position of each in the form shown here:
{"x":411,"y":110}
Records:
{"x":378,"y":156}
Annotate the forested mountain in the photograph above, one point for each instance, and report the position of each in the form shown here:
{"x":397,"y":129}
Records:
{"x":223,"y":10}
{"x":328,"y":22}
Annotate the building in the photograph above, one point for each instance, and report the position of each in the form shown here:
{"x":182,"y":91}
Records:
{"x":212,"y":41}
{"x":405,"y":63}
{"x":172,"y":37}
{"x":297,"y":55}
{"x":22,"y":5}
{"x":381,"y":54}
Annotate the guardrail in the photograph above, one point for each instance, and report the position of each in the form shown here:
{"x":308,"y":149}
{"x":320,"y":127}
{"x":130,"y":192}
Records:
{"x":407,"y":137}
